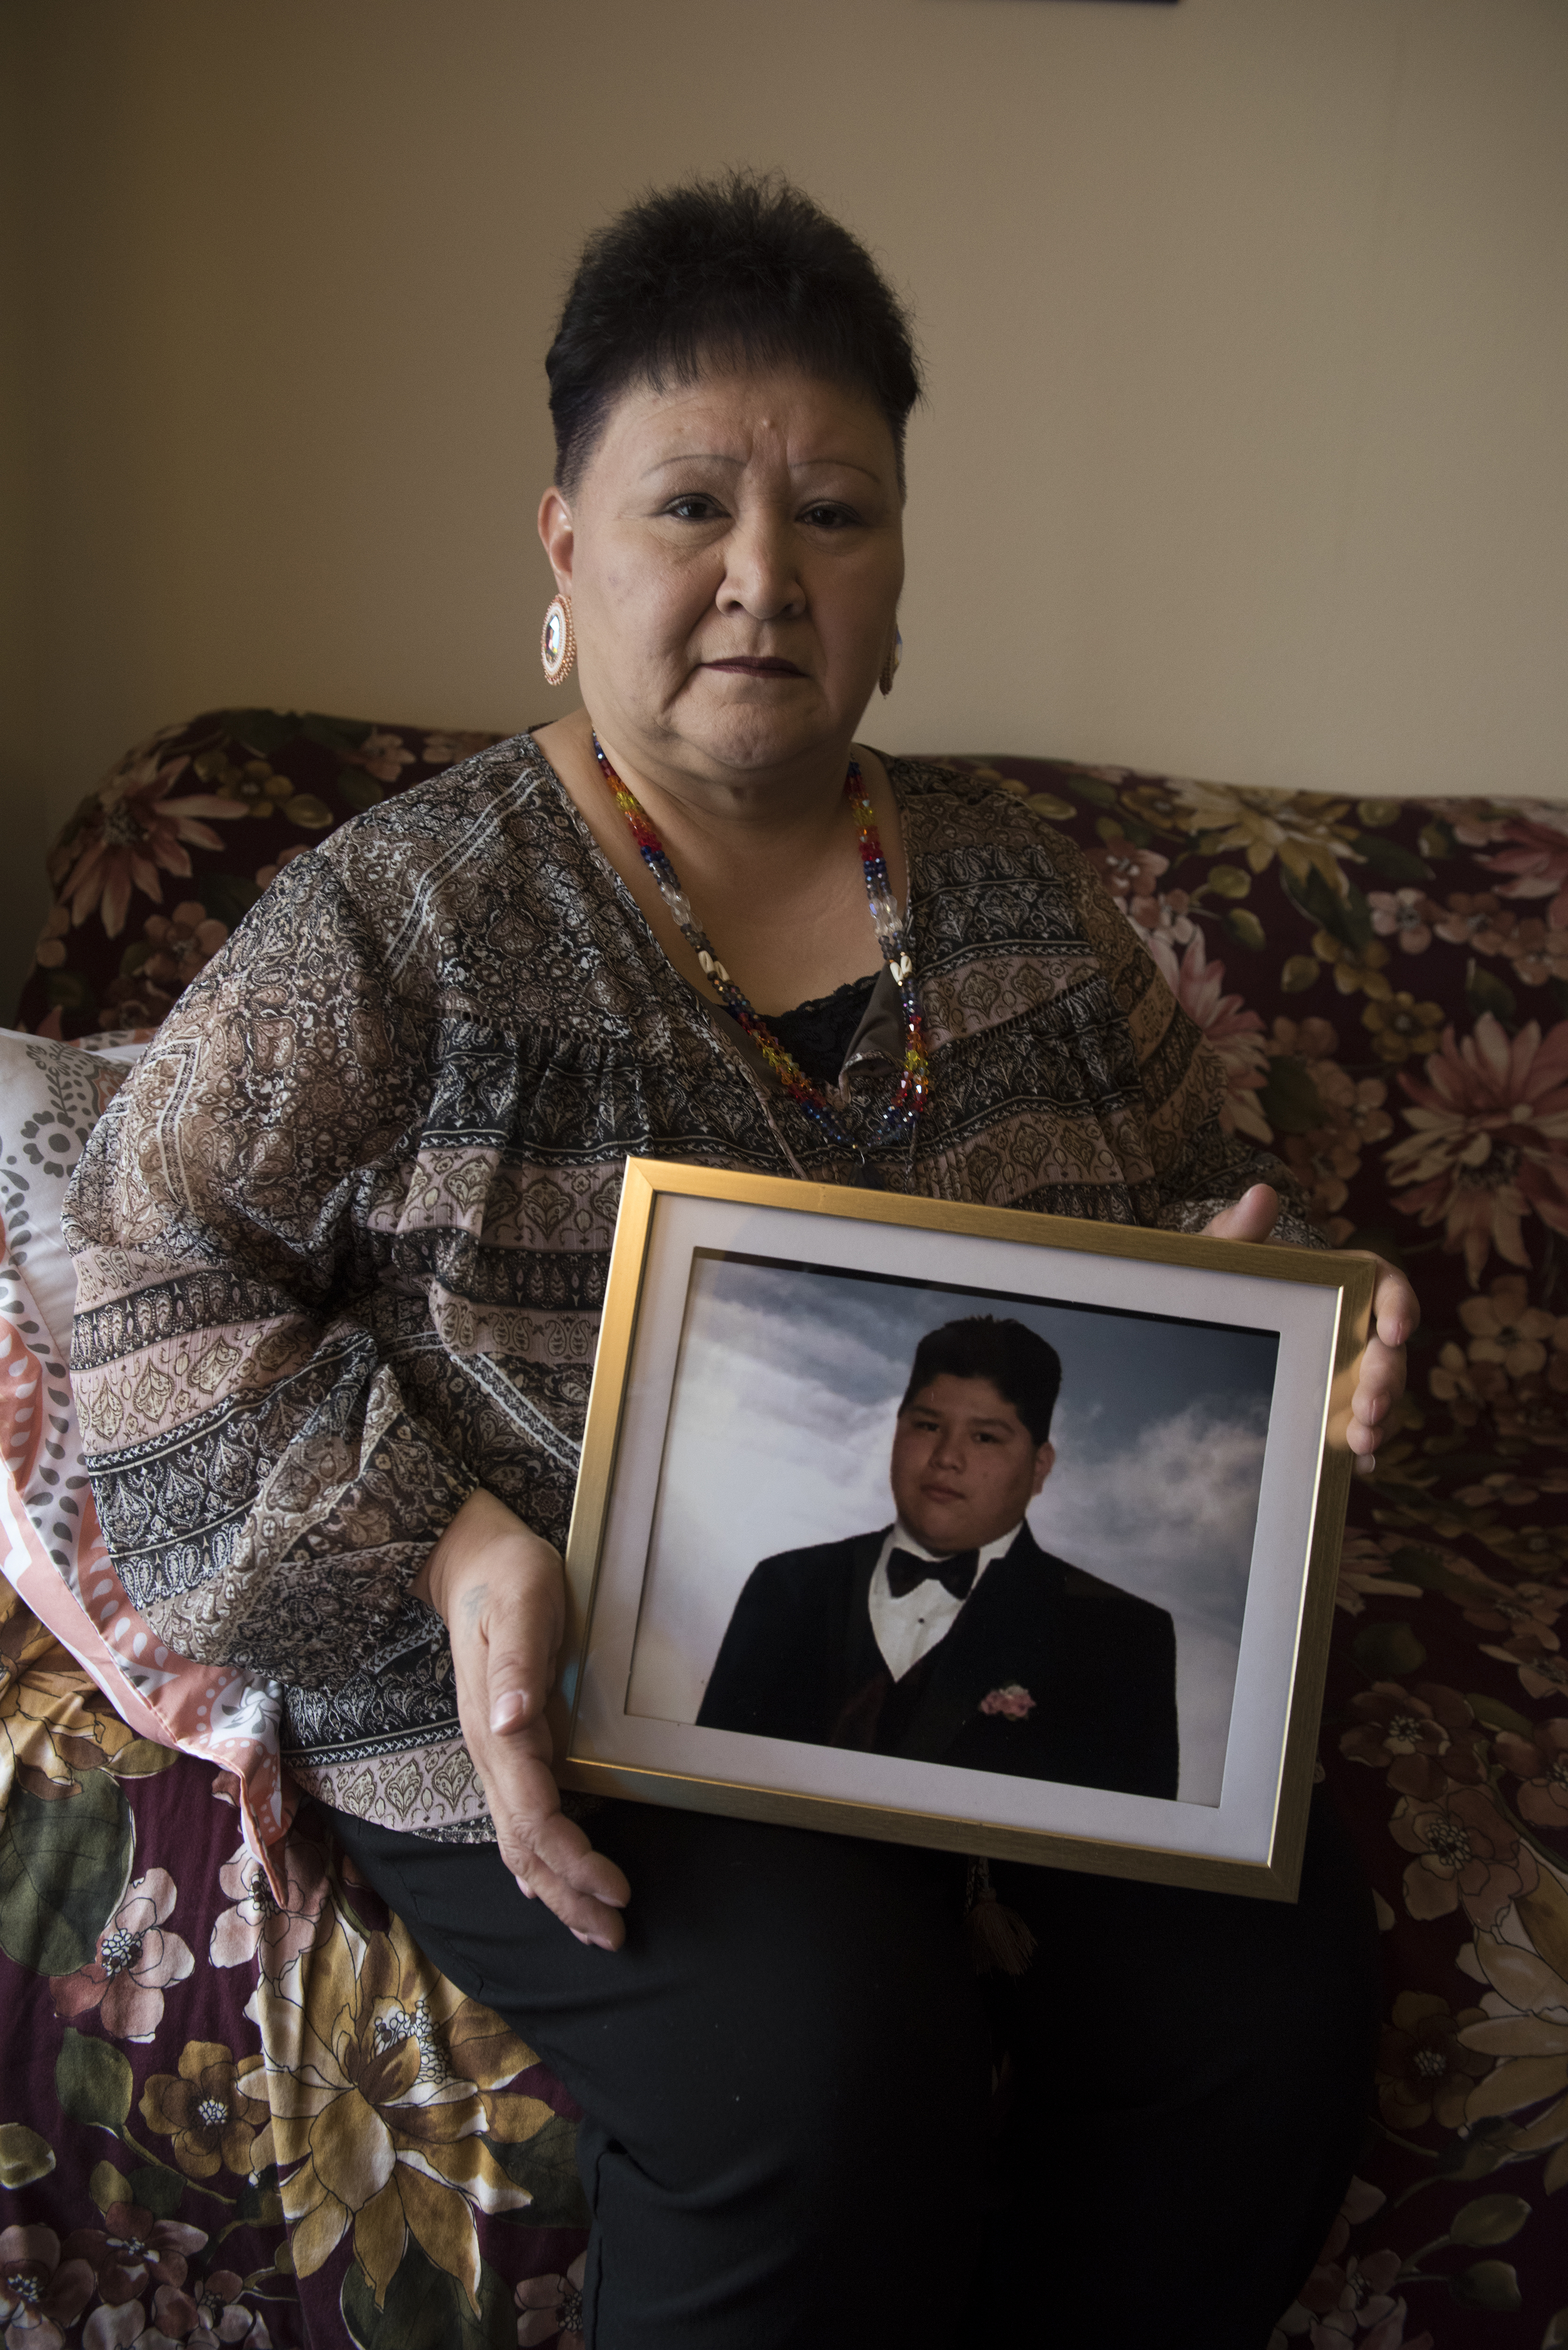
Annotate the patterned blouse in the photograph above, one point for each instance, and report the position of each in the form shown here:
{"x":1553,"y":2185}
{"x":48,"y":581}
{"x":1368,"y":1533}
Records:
{"x":342,"y":1241}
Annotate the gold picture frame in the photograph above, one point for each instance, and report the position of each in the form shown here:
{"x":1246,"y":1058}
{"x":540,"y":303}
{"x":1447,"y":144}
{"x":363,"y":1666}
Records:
{"x":1221,"y":1370}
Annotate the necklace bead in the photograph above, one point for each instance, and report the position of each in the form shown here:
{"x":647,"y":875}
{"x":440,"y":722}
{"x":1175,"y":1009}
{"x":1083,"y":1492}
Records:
{"x":913,"y":1089}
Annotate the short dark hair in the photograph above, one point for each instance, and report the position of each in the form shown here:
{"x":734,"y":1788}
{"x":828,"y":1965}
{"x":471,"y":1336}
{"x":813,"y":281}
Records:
{"x":1020,"y":1366}
{"x":741,"y":268}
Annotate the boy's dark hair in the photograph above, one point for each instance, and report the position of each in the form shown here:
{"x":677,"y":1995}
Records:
{"x":1019,"y":1364}
{"x":741,"y":268}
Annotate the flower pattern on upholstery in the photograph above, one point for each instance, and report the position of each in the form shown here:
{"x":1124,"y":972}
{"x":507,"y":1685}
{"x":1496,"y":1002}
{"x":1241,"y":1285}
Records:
{"x":1446,"y":1726}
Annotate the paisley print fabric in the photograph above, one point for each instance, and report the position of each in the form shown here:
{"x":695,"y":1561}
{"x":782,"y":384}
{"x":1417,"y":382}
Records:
{"x":343,"y":1238}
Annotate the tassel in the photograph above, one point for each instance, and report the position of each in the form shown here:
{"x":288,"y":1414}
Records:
{"x":999,"y":1941}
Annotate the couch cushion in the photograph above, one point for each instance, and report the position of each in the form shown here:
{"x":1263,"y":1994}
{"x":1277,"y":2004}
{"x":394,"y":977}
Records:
{"x":51,"y":1548}
{"x":161,"y":861}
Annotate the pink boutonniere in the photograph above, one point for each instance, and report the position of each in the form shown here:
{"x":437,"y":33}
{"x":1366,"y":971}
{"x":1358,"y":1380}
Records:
{"x":1014,"y":1701}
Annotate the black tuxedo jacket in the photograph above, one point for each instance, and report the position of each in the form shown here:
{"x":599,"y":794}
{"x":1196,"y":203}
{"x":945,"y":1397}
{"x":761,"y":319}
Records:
{"x":800,"y":1660}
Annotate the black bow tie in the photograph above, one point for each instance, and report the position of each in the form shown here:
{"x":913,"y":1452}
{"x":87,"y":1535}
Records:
{"x":957,"y":1573}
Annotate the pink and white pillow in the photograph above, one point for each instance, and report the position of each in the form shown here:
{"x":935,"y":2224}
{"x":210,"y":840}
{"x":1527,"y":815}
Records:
{"x":51,"y":1548}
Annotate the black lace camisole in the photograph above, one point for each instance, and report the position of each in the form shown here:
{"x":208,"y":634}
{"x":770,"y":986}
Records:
{"x":818,"y":1034}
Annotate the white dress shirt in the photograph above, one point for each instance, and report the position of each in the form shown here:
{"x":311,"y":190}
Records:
{"x":909,"y":1628}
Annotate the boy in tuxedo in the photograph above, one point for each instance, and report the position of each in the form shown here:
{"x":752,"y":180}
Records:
{"x":950,"y":1636}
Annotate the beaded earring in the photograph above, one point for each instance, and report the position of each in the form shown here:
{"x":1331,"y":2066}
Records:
{"x":890,"y":666}
{"x":557,"y":641}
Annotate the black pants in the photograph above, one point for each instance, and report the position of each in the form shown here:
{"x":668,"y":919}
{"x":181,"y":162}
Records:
{"x":791,"y":2140}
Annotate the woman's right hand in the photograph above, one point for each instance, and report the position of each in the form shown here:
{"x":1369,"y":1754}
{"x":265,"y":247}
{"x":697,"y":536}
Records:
{"x":501,"y":1591}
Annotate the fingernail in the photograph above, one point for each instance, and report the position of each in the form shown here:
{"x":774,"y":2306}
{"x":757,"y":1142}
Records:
{"x":525,"y":1890}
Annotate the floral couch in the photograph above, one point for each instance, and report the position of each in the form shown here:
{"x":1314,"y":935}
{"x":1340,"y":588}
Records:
{"x":240,"y":2109}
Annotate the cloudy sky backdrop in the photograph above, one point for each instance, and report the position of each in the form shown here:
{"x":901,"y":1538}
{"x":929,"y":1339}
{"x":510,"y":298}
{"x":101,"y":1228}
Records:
{"x":787,"y":1393}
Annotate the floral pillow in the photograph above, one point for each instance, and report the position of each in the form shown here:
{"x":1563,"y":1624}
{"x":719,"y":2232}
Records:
{"x":52,"y":1094}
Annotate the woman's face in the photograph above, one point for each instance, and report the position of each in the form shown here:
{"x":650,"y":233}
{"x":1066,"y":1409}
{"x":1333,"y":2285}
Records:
{"x":733,"y":553}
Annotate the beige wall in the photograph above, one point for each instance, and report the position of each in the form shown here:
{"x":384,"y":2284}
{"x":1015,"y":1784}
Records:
{"x":1246,"y":323}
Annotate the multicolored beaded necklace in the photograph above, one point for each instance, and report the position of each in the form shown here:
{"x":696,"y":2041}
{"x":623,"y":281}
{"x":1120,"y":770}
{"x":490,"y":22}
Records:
{"x":913,"y":1090}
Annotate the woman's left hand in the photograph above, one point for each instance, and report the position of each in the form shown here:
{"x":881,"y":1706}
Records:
{"x":1395,"y":1316}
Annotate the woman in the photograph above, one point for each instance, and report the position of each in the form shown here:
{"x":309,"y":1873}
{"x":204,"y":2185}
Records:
{"x":343,"y":1243}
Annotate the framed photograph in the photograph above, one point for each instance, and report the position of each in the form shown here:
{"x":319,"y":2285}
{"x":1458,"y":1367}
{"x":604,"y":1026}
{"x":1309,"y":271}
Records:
{"x":960,"y":1527}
